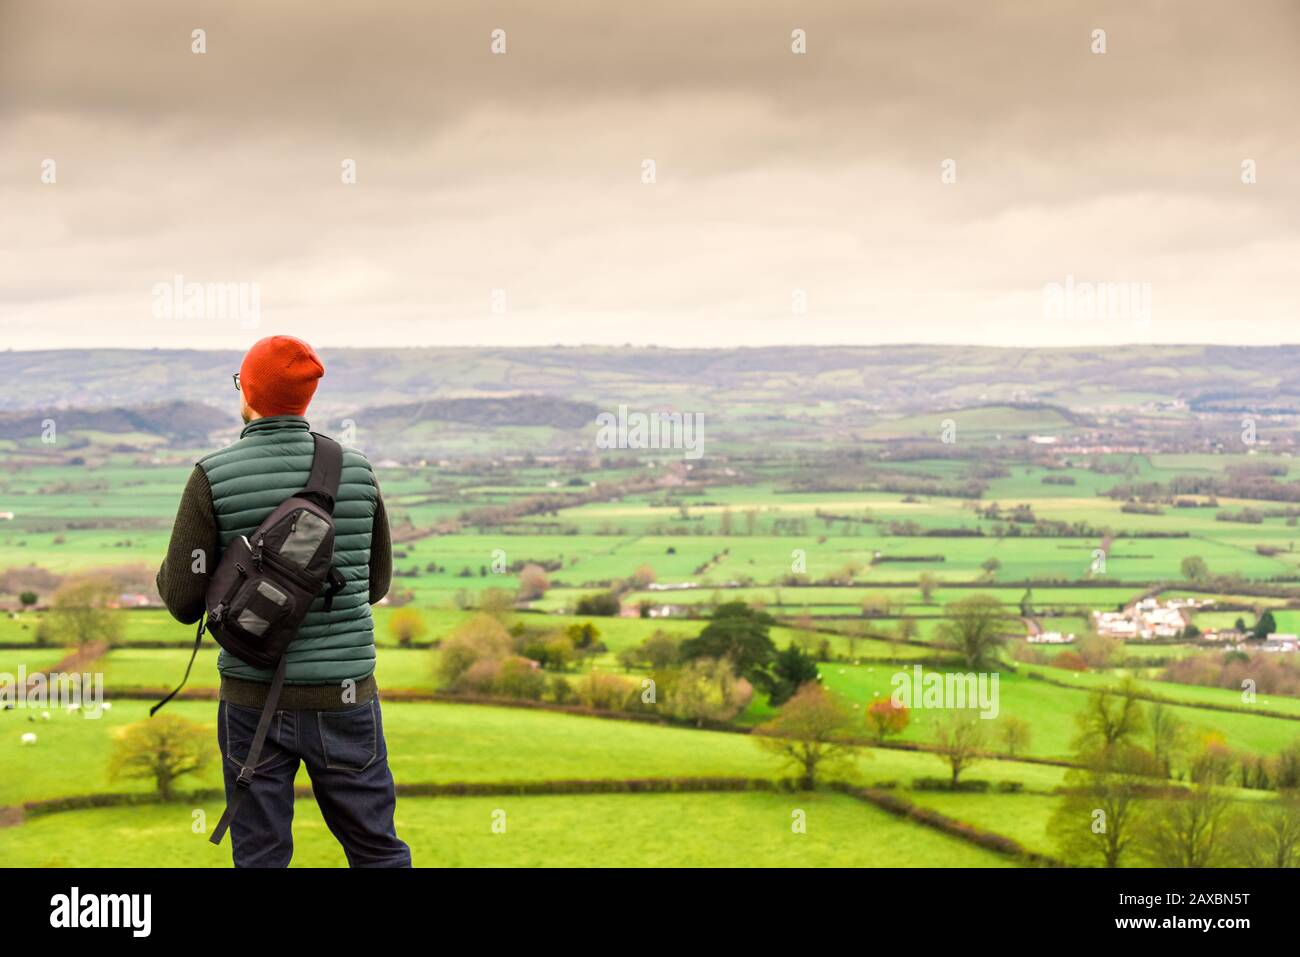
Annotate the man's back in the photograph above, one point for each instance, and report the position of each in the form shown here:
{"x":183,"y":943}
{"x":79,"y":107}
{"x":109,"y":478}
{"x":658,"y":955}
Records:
{"x":248,"y":479}
{"x":229,"y":494}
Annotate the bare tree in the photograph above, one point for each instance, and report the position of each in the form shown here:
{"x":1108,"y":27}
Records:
{"x":1200,"y":826}
{"x":1191,"y":829}
{"x":643,"y":577}
{"x":960,"y":737}
{"x":533,"y":582}
{"x":1016,"y":734}
{"x":1111,"y":717}
{"x":810,"y":733}
{"x":974,"y":629}
{"x":1105,"y":798}
{"x":1168,"y":736}
{"x":81,"y":614}
{"x":1274,"y":841}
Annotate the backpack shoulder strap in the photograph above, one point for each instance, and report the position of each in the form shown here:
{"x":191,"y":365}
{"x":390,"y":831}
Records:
{"x":326,"y":470}
{"x":246,"y":773}
{"x":198,"y":638}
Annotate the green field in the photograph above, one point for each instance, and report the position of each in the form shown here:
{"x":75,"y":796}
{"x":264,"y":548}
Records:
{"x":1050,"y":710}
{"x":668,"y":830}
{"x":435,"y":742}
{"x":846,"y":554}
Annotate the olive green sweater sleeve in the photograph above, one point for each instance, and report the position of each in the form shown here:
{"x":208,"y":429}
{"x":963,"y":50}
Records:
{"x":381,"y":553}
{"x":192,"y":552}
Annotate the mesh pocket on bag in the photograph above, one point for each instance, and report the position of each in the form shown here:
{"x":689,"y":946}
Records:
{"x":304,"y":539}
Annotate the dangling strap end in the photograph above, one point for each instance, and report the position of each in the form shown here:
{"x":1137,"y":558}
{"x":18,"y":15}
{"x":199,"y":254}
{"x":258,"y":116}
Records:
{"x":198,"y":638}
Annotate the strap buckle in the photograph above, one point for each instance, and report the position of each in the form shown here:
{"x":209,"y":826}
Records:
{"x":336,"y":584}
{"x":245,"y":779}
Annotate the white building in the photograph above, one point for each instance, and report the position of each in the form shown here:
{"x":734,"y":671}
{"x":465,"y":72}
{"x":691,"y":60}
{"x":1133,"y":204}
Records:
{"x":1050,"y":638}
{"x":1115,"y":624}
{"x":1145,"y":619}
{"x":1271,"y":643}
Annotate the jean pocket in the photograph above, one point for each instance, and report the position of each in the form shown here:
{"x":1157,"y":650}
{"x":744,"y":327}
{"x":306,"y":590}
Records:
{"x":239,"y":726}
{"x":350,"y":739}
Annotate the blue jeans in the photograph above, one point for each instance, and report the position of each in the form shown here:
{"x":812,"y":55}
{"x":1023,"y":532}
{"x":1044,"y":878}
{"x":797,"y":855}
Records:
{"x":347,"y":760}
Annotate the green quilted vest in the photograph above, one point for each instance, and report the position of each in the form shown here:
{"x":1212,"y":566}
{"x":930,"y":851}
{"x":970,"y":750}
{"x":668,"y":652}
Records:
{"x":249,"y":479}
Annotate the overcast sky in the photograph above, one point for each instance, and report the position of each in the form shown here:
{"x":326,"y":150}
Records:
{"x":781,"y":178}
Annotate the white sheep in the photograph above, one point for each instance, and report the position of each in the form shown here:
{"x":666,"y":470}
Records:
{"x":29,"y":738}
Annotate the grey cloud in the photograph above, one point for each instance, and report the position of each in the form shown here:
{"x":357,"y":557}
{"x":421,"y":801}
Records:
{"x":521,"y":172}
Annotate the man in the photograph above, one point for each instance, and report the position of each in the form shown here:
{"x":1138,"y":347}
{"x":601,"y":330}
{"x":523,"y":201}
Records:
{"x":328,"y":715}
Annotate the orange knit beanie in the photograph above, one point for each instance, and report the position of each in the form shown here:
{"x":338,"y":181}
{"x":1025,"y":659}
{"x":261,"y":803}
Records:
{"x":279,"y":375}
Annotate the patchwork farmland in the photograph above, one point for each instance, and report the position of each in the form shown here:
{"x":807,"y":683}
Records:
{"x":599,"y":719}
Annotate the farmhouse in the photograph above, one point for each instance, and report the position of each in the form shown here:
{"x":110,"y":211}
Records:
{"x":1271,"y":643}
{"x":1280,"y":643}
{"x":1115,"y":624}
{"x":653,"y":611}
{"x":1050,"y":638}
{"x":1146,"y":619}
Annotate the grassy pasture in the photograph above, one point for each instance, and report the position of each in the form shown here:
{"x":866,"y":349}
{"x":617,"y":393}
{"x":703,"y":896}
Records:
{"x":1021,"y":817}
{"x":1218,"y":697}
{"x":849,"y":601}
{"x":625,"y":830}
{"x":1051,"y":709}
{"x":457,"y":742}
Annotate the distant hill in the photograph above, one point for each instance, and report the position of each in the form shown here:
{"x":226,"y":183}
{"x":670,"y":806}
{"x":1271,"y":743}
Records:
{"x":183,"y":421}
{"x":522,"y":410}
{"x":901,"y":379}
{"x":387,"y":427}
{"x":489,"y":401}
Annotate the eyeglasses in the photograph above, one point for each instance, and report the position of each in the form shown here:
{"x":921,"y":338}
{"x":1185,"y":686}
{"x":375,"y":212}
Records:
{"x":237,"y":385}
